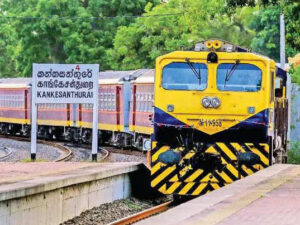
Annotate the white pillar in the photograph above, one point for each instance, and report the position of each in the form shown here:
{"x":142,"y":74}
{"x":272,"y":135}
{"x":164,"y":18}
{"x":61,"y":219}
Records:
{"x":282,"y":41}
{"x":33,"y":122}
{"x":95,"y":118}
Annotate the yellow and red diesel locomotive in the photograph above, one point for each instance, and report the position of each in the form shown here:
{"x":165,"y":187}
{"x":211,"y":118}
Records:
{"x":220,"y":114}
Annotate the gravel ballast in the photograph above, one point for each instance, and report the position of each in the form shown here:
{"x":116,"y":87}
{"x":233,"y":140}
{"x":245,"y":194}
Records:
{"x":109,"y":212}
{"x":21,"y":151}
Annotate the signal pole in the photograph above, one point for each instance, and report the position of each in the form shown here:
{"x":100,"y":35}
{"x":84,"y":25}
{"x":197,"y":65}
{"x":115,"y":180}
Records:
{"x":282,"y":65}
{"x":282,"y":41}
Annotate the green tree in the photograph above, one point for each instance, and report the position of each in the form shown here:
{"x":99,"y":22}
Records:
{"x":292,"y":19}
{"x":189,"y":22}
{"x":113,"y":14}
{"x":267,"y":38}
{"x":60,"y":31}
{"x":45,"y":37}
{"x":236,"y":3}
{"x":266,"y":25}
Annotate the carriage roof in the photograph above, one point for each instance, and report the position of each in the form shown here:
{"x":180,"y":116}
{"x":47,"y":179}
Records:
{"x":105,"y":77}
{"x":146,"y":77}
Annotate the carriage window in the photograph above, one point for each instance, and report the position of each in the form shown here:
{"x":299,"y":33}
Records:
{"x":239,"y":77}
{"x":182,"y":76}
{"x":12,"y":101}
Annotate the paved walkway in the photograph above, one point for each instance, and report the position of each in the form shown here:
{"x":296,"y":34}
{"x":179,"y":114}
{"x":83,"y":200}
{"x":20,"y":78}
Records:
{"x":271,"y":196}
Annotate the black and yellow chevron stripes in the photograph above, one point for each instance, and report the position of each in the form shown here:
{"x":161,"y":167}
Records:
{"x":189,"y":181}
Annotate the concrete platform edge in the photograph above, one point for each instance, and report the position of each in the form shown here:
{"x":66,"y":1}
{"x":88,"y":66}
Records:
{"x":44,"y":183}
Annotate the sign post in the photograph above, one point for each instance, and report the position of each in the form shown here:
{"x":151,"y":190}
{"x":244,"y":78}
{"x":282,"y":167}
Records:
{"x":64,"y":83}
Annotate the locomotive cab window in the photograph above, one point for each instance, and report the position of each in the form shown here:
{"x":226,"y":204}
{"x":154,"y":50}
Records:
{"x":239,"y":77}
{"x":185,"y":76}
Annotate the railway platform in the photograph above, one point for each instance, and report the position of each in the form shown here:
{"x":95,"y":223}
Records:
{"x":51,"y":192}
{"x":271,"y":196}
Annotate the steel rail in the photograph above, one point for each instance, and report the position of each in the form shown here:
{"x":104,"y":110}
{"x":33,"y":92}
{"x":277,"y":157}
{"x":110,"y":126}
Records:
{"x":68,"y":151}
{"x":142,"y":215}
{"x":8,"y":153}
{"x":76,"y":145}
{"x":106,"y":154}
{"x":61,"y":147}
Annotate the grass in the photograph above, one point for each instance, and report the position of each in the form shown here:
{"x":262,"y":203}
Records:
{"x":27,"y":160}
{"x":133,"y":205}
{"x":294,"y":153}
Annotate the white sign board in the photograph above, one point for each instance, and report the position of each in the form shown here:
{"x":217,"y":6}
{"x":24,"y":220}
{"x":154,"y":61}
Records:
{"x":64,"y":83}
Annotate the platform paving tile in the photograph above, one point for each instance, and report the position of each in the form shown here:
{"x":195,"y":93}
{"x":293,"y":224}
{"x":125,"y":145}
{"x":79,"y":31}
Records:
{"x":278,"y":207}
{"x":271,"y":196}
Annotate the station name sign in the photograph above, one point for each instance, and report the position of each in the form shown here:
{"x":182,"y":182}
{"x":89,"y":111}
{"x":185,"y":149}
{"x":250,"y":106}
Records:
{"x":65,"y":83}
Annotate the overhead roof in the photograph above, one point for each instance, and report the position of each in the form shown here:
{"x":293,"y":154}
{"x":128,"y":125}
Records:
{"x":146,"y":77}
{"x":15,"y":82}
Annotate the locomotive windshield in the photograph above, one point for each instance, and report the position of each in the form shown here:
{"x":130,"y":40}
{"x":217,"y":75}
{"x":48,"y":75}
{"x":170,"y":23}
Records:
{"x":180,"y":76}
{"x":244,"y":77}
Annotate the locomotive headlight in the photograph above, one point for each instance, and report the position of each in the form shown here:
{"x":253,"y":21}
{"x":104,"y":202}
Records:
{"x":206,"y":102}
{"x":209,"y":44}
{"x":217,"y":44}
{"x":215,"y":102}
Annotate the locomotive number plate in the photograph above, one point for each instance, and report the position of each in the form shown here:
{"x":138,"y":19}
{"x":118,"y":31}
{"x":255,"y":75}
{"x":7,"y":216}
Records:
{"x":210,"y":123}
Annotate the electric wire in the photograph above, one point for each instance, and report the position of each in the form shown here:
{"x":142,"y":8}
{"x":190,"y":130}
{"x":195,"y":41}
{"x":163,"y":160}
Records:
{"x":88,"y":18}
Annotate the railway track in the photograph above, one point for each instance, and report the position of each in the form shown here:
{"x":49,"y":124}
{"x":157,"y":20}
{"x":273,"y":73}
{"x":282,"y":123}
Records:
{"x":7,"y":153}
{"x":65,"y":157}
{"x":143,"y":215}
{"x":68,"y":152}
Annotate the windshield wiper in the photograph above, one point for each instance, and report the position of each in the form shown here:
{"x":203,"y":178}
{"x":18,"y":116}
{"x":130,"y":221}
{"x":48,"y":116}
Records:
{"x":197,"y":73}
{"x":230,"y":73}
